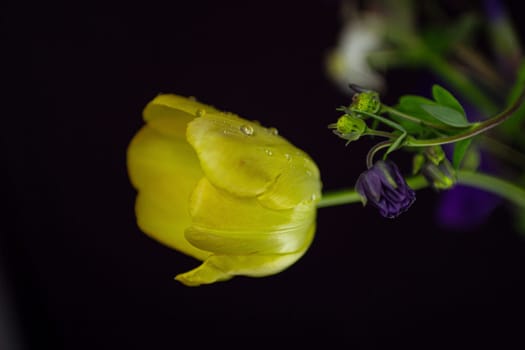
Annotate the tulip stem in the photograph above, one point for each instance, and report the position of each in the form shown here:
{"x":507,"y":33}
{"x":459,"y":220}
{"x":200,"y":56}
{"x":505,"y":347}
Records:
{"x":348,"y":196}
{"x":340,"y":197}
{"x":489,"y":183}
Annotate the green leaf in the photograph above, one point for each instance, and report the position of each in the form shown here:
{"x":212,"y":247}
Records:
{"x":395,"y":145}
{"x":444,"y":97}
{"x":447,"y":115}
{"x":460,"y":149}
{"x":411,"y":105}
{"x":413,"y":102}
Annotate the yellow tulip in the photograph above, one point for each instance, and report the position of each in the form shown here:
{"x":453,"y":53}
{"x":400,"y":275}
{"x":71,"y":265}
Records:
{"x":222,"y":189}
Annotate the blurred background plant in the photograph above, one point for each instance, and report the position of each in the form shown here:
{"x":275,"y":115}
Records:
{"x":475,"y":54}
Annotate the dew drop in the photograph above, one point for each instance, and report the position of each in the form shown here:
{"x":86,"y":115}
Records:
{"x":288,"y":157}
{"x":273,"y":131}
{"x":313,"y":197}
{"x":268,"y":152}
{"x":247,"y":130}
{"x":201,"y":112}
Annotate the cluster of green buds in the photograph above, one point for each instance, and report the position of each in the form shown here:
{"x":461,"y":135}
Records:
{"x":351,"y":125}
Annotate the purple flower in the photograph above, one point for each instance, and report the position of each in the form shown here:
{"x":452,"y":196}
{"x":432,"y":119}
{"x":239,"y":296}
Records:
{"x":464,"y":208}
{"x":386,"y":189}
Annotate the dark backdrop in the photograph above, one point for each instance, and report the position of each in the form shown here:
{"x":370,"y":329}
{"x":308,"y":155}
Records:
{"x":80,"y":275}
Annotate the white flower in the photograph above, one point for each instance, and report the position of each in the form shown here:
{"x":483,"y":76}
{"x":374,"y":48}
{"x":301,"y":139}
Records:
{"x":348,"y":62}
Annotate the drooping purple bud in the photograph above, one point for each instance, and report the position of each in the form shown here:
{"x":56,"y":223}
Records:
{"x":385,"y":188}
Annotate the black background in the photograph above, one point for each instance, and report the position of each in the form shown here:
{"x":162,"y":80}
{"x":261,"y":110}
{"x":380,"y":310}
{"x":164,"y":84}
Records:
{"x":81,"y":275}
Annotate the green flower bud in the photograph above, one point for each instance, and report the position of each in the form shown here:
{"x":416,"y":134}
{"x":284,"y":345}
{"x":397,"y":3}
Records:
{"x":349,"y":127}
{"x":435,"y":154}
{"x":367,"y":101}
{"x":436,"y":168}
{"x":417,"y":163}
{"x":440,"y":177}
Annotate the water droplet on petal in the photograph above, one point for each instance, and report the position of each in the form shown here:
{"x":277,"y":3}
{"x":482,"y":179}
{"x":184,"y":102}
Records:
{"x":273,"y":131}
{"x":201,"y":112}
{"x":268,"y":152}
{"x":288,"y":157}
{"x":247,"y":130}
{"x":313,"y":197}
{"x":308,"y":173}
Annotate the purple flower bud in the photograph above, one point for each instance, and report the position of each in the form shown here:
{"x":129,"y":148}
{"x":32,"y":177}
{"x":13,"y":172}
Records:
{"x":386,"y":189}
{"x":464,"y":208}
{"x":495,"y":9}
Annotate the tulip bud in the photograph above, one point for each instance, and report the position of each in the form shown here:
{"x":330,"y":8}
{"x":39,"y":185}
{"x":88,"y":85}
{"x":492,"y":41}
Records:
{"x":223,"y":189}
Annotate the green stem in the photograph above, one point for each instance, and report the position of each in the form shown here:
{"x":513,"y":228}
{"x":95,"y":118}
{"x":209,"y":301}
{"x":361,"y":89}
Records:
{"x":496,"y":185}
{"x":340,"y":197}
{"x":502,"y":151}
{"x":388,"y":109}
{"x":480,"y":66}
{"x":373,"y":132}
{"x":372,"y":152}
{"x":347,"y":196}
{"x":384,"y":120}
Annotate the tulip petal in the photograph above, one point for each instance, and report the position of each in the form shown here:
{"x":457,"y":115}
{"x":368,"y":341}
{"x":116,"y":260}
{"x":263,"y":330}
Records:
{"x":248,"y":160}
{"x":223,"y":267}
{"x":228,"y":224}
{"x":222,"y":189}
{"x":299,"y":184}
{"x":170,"y":114}
{"x":164,"y":170}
